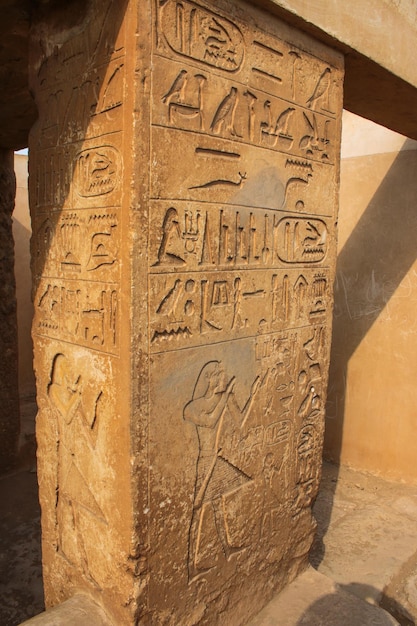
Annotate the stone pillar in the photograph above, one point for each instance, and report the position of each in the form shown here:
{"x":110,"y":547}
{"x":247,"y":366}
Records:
{"x":184,"y":178}
{"x":9,"y":395}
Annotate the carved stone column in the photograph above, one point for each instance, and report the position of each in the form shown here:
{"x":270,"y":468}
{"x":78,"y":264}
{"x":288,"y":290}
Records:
{"x":184,"y":180}
{"x":9,"y":394}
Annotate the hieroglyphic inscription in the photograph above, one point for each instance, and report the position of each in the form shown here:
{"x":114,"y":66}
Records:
{"x":198,"y":33}
{"x":241,"y":174}
{"x":81,"y":313}
{"x":257,"y":442}
{"x":96,"y":171}
{"x":74,"y":112}
{"x":78,"y":244}
{"x":67,"y":178}
{"x":195,"y":237}
{"x":76,"y":185}
{"x":200,"y":101}
{"x":265,"y":96}
{"x":245,"y":142}
{"x":194,"y":309}
{"x":74,"y":251}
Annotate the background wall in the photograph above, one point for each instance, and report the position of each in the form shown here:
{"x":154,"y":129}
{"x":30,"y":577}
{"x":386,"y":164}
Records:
{"x":372,"y":400}
{"x":22,"y":234}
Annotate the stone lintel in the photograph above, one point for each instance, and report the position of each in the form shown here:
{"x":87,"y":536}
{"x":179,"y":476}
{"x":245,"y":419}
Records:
{"x":378,"y":41}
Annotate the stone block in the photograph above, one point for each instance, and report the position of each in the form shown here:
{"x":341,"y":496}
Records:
{"x":184,"y":177}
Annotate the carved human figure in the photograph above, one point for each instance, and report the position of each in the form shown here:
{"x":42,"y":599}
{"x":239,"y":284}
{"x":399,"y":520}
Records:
{"x":72,"y":395}
{"x":65,"y":388}
{"x":216,"y":476}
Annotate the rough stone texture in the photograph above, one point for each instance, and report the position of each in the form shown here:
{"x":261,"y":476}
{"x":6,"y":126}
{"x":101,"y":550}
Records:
{"x":342,"y":495}
{"x":82,"y":359}
{"x":9,"y":399}
{"x":184,"y":252}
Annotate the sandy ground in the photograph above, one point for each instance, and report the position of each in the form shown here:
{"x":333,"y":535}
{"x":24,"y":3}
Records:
{"x":367,"y":539}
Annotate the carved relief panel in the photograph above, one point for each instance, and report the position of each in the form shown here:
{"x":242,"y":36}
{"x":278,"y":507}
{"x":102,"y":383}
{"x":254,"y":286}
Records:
{"x":184,"y":177}
{"x":76,"y":188}
{"x":244,"y":153}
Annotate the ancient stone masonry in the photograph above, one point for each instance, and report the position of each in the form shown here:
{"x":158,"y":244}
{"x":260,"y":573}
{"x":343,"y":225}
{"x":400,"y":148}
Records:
{"x":76,"y":183}
{"x":244,"y":151}
{"x":184,"y":182}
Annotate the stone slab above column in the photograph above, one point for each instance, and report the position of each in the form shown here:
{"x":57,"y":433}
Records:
{"x":184,"y":183}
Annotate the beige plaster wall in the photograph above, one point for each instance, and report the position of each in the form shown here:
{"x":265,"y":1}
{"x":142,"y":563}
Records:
{"x":371,"y":412}
{"x":21,"y":233}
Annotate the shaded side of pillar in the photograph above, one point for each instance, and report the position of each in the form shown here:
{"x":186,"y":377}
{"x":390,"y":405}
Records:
{"x":81,"y":302}
{"x":9,"y":394}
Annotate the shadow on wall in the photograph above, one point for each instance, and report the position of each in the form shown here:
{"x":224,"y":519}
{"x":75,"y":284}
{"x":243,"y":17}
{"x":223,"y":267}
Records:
{"x":373,"y":262}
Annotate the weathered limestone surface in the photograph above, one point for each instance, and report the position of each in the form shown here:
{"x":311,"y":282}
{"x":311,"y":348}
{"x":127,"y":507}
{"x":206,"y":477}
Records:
{"x":184,"y":177}
{"x":9,"y":396}
{"x":81,"y":327}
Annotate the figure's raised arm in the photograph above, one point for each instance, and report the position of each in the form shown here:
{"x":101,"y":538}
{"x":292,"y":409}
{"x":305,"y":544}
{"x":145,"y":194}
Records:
{"x":207,"y":410}
{"x":256,"y":385}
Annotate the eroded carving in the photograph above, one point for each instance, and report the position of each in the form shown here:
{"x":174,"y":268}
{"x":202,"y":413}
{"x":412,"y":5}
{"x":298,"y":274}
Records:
{"x":302,"y":240}
{"x":78,"y":313}
{"x":320,"y":96}
{"x":78,"y":243}
{"x":316,"y":141}
{"x":97,"y":171}
{"x":216,"y":475}
{"x":180,"y":110}
{"x":272,"y":133}
{"x":191,"y":311}
{"x":201,"y":102}
{"x":224,"y":118}
{"x":308,"y":467}
{"x":53,"y":172}
{"x":75,"y":391}
{"x":112,"y":93}
{"x":193,"y":31}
